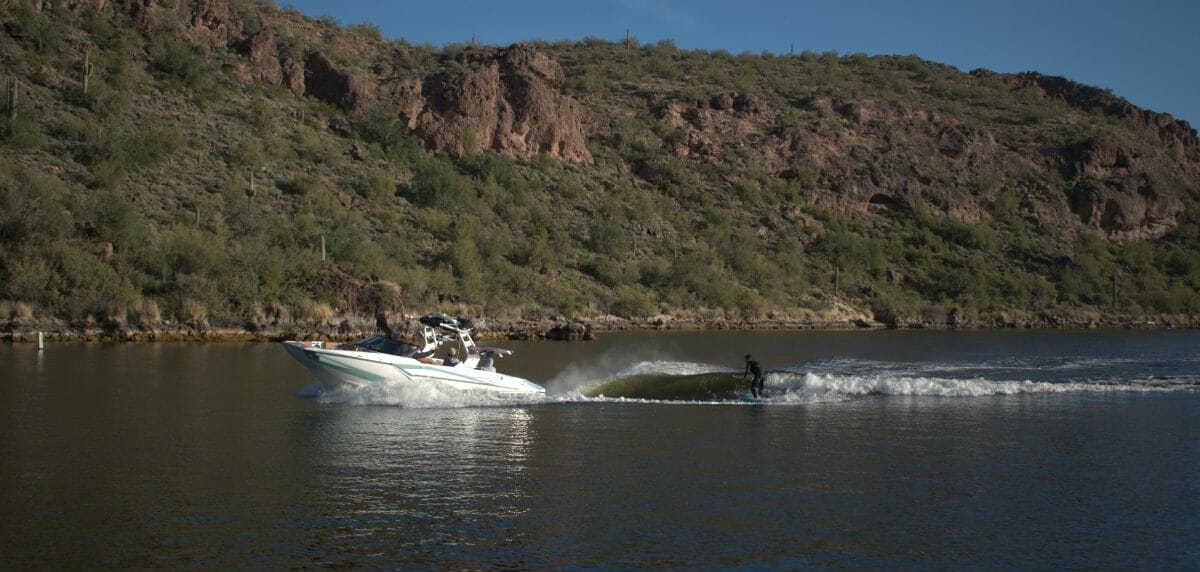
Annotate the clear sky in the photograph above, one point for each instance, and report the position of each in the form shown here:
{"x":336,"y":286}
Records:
{"x":1145,"y":51}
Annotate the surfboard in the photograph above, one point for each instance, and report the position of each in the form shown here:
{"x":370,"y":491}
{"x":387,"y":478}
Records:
{"x":750,"y":399}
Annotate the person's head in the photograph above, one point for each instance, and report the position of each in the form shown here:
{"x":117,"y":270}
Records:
{"x":747,"y":357}
{"x":453,"y":351}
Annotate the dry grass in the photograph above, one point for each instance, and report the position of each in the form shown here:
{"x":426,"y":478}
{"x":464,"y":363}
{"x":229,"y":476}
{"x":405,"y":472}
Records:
{"x":276,"y":313}
{"x":145,"y":312}
{"x":112,"y":313}
{"x":313,"y":313}
{"x":192,"y":311}
{"x":23,"y":311}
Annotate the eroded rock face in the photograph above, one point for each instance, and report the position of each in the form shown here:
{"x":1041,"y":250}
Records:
{"x":1112,"y":191}
{"x":75,"y":5}
{"x":874,"y":156}
{"x":1169,"y":130}
{"x":1129,"y":208}
{"x":507,"y":101}
{"x":323,"y":80}
{"x":211,"y":21}
{"x":263,"y":57}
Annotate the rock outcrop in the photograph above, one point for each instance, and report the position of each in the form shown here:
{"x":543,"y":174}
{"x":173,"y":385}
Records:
{"x":871,"y":156}
{"x":507,"y":100}
{"x":849,"y":154}
{"x":325,"y":81}
{"x":1169,"y":130}
{"x":504,"y":100}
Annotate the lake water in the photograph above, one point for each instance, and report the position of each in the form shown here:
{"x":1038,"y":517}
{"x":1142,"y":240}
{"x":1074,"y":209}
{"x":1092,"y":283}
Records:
{"x":882,"y":449}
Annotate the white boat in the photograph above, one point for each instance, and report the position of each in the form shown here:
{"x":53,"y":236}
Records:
{"x":408,"y":357}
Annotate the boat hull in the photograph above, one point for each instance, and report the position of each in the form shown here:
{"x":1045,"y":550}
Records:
{"x":340,"y":369}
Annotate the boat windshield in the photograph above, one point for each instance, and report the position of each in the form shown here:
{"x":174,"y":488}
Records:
{"x":386,"y":345}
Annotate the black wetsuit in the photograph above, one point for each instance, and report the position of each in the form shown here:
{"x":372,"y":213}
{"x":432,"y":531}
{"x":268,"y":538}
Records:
{"x":756,"y":384}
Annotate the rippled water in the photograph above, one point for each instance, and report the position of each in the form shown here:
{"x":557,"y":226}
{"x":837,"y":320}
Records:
{"x":875,"y":450}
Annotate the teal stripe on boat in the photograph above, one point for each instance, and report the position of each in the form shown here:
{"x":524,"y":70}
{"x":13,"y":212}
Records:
{"x":344,"y":368}
{"x":445,"y":370}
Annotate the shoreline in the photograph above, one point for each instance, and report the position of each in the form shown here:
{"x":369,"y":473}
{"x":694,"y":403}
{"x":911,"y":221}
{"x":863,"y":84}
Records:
{"x":561,"y":329}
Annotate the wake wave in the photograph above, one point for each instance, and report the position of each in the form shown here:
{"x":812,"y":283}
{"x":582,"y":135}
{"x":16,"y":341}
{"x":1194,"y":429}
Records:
{"x":844,"y":379}
{"x":821,"y":381}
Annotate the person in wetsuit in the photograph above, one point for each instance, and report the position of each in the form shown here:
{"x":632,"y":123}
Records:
{"x":756,"y":384}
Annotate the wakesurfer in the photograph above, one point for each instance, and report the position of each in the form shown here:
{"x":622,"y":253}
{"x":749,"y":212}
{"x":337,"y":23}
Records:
{"x":756,"y":384}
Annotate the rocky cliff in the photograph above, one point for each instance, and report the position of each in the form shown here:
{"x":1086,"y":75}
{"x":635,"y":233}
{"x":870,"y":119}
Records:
{"x":945,"y":159}
{"x":505,"y":100}
{"x":511,"y":100}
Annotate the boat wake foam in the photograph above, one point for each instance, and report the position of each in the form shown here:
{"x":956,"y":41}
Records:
{"x":842,"y":380}
{"x":823,"y":381}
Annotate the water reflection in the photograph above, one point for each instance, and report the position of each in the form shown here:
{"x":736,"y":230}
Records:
{"x":408,"y":482}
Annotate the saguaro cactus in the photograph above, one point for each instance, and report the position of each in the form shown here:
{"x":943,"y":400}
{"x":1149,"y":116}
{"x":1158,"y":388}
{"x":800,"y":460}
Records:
{"x":87,"y":70}
{"x":12,"y":99}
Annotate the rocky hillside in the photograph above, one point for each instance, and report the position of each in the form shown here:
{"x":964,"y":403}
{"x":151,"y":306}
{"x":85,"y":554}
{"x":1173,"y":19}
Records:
{"x":228,"y":162}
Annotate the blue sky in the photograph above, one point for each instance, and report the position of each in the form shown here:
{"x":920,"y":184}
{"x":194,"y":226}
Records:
{"x":1143,"y":51}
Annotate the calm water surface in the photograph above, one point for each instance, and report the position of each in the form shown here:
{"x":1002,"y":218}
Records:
{"x":1042,"y":450}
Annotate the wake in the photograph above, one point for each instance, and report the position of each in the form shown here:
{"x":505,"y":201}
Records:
{"x":837,"y":380}
{"x":821,"y":381}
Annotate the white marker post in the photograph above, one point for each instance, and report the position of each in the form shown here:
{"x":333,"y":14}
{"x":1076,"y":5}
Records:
{"x":41,"y":342}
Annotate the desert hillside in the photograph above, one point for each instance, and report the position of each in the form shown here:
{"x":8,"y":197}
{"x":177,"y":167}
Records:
{"x":199,"y":165}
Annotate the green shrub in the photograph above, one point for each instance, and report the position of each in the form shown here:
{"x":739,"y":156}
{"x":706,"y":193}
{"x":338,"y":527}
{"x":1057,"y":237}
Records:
{"x":312,"y":147}
{"x":175,"y":61}
{"x":41,"y":32}
{"x":607,"y":235}
{"x":632,"y":302}
{"x":247,"y":152}
{"x":100,"y":99}
{"x":302,"y":184}
{"x":261,"y":116}
{"x":114,"y":219}
{"x":29,"y":277}
{"x":380,"y":126}
{"x":437,"y":184}
{"x":375,"y":186}
{"x":366,"y":30}
{"x":106,"y":174}
{"x":604,"y":270}
{"x":147,"y":148}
